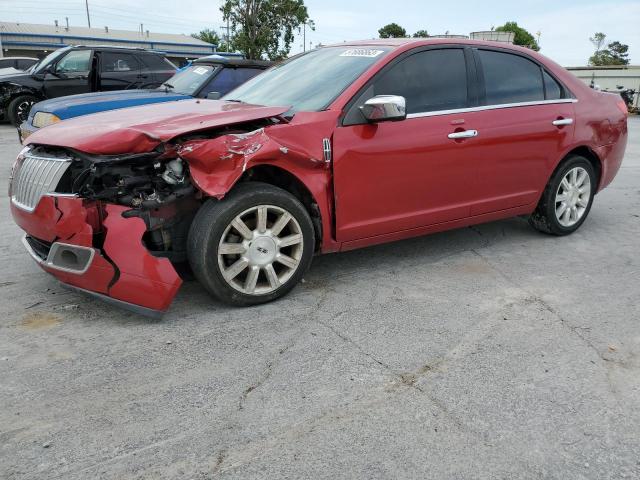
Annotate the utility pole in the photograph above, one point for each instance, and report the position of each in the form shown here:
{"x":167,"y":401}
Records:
{"x":304,"y":33}
{"x":86,"y":3}
{"x":228,"y":36}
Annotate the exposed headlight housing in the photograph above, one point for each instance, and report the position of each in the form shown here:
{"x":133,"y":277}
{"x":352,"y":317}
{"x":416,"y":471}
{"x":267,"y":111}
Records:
{"x":43,"y":119}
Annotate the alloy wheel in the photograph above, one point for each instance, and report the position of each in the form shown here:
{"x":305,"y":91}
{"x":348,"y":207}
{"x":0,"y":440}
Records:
{"x":572,"y":196}
{"x":22,"y":111}
{"x":260,"y":249}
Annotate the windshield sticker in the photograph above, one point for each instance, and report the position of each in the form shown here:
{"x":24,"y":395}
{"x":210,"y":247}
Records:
{"x":200,"y":70}
{"x":361,"y":52}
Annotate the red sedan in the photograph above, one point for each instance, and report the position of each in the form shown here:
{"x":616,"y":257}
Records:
{"x":342,"y":147}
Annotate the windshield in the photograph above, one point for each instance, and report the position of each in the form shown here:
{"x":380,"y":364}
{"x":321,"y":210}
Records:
{"x":309,"y":82}
{"x":189,"y":80}
{"x":38,"y":67}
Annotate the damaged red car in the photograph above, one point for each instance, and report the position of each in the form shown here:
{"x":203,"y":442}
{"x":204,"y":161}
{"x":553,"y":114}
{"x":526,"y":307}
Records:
{"x":342,"y":147}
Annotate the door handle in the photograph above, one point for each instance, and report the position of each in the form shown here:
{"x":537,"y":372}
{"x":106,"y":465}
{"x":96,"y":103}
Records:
{"x":562,"y":121}
{"x":463,"y":134}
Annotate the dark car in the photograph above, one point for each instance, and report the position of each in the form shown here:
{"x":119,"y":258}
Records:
{"x":211,"y":76}
{"x":81,"y":69}
{"x":16,"y":63}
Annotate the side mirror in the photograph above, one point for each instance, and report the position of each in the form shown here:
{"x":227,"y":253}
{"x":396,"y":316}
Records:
{"x":385,"y":108}
{"x":213,"y":96}
{"x":50,"y":70}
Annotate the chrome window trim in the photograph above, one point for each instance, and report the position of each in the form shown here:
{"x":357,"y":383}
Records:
{"x":490,"y":107}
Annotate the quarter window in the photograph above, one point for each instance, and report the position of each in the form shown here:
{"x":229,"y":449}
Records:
{"x":552,"y":89}
{"x":510,"y":78}
{"x":429,"y":81}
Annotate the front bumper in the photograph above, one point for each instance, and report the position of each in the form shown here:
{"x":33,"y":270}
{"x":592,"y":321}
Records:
{"x":119,"y":268}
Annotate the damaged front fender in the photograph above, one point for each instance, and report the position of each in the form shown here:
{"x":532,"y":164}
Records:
{"x":217,"y":164}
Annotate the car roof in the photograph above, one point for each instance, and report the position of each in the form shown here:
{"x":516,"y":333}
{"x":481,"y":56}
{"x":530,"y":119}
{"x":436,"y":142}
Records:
{"x":415,"y":42}
{"x":232,"y":62}
{"x":118,"y":48}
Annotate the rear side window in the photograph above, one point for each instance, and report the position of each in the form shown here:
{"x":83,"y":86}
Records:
{"x":510,"y":78}
{"x":228,"y":79}
{"x":118,"y":62}
{"x":429,"y":81}
{"x":155,"y":62}
{"x":6,"y":63}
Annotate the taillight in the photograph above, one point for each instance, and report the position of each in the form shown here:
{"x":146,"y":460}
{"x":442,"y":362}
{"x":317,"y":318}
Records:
{"x":622,"y":105}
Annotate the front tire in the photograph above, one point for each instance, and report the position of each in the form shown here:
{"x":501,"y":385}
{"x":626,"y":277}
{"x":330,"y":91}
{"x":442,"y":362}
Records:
{"x":251,"y":247}
{"x":567,"y":198}
{"x":18,"y":109}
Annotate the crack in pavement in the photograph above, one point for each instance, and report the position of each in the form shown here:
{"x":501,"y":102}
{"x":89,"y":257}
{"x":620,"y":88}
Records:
{"x":264,"y":377}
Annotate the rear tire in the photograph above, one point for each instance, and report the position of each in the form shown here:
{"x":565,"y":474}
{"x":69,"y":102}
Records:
{"x":567,"y":198}
{"x":253,"y":246}
{"x":18,"y":109}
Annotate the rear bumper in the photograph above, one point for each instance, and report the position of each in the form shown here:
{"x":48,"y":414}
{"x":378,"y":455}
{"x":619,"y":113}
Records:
{"x":60,"y":238}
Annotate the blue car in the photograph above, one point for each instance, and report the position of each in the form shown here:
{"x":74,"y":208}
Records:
{"x":208,"y":77}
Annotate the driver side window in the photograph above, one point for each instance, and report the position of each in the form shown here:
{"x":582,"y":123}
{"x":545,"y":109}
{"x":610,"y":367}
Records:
{"x":430,"y":81}
{"x":76,"y":61}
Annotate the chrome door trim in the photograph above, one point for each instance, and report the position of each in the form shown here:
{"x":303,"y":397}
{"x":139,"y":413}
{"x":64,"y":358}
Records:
{"x":490,"y":107}
{"x":562,"y":121}
{"x":463,"y":134}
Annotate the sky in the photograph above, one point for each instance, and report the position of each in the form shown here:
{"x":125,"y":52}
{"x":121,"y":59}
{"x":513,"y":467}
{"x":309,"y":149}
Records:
{"x":564,"y":25}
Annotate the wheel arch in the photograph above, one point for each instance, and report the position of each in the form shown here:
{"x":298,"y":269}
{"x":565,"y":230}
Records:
{"x":288,"y":181}
{"x":586,"y":152}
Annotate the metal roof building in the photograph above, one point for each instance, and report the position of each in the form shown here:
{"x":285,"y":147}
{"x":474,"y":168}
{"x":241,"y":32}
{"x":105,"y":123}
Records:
{"x":30,"y":40}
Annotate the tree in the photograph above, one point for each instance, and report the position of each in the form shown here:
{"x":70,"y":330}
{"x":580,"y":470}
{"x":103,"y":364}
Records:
{"x":616,"y":53}
{"x":392,"y":30}
{"x":208,"y":35}
{"x":521,"y":36}
{"x":265,"y":27}
{"x":598,"y":41}
{"x":619,"y":53}
{"x":421,"y":34}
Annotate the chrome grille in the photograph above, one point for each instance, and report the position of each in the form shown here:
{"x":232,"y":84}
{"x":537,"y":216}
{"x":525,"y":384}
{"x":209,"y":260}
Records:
{"x":36,"y":176}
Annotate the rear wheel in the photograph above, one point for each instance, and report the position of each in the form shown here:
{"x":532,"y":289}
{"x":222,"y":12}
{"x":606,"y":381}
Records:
{"x":18,"y":109}
{"x":253,"y":246}
{"x":567,"y":199}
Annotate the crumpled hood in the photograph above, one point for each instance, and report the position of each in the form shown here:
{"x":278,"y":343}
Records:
{"x":141,"y":129}
{"x":86,"y":103}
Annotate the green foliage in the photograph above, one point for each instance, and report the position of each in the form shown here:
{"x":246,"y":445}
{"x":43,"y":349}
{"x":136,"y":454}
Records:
{"x":421,"y":34}
{"x":208,"y":35}
{"x":392,"y":30}
{"x":265,"y":28}
{"x":616,"y":53}
{"x":598,"y":40}
{"x":521,"y":36}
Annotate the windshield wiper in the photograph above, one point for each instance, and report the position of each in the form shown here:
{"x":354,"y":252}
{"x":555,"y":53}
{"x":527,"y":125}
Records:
{"x":167,"y":86}
{"x":233,"y":100}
